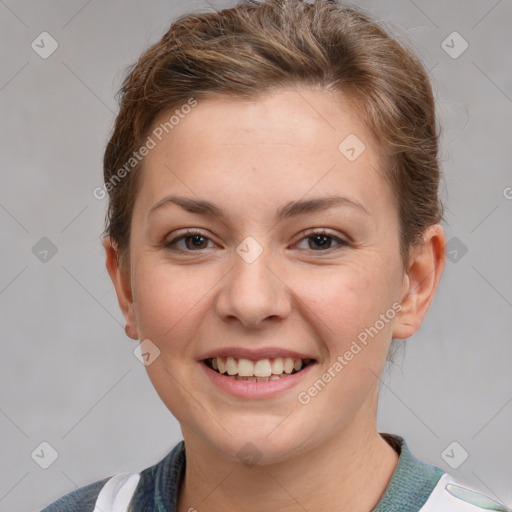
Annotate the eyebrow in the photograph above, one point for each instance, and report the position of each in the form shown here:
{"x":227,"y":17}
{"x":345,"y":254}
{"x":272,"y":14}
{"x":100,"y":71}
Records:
{"x":291,"y":209}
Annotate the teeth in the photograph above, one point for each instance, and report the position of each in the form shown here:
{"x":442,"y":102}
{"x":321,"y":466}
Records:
{"x":277,"y":365}
{"x":246,"y":368}
{"x":247,"y":379}
{"x":231,"y":366}
{"x":288,"y":365}
{"x":262,"y":368}
{"x":261,"y":371}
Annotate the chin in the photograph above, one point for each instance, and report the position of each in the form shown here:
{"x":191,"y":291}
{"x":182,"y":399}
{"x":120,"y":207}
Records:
{"x":260,"y":440}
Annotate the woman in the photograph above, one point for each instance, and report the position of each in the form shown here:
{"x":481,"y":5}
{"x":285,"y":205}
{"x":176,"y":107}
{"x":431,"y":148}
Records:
{"x":273,"y":226}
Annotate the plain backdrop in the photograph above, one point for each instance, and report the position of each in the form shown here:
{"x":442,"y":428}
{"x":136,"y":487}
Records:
{"x":68,"y":374}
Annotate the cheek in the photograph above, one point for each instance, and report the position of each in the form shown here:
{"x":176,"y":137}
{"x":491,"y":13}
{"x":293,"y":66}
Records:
{"x":345,"y":307}
{"x":344,"y":301}
{"x":169,"y":306}
{"x":166,"y":302}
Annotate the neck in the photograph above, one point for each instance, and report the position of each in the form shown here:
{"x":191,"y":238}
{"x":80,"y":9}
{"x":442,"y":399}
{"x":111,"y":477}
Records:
{"x":349,"y":471}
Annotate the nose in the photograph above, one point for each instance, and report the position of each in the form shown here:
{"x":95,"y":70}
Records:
{"x":253,"y":293}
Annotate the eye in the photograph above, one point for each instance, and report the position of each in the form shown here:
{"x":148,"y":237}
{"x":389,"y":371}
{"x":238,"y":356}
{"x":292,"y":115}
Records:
{"x":320,"y":241}
{"x":192,"y":240}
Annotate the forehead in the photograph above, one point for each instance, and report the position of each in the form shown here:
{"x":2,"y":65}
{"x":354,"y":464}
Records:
{"x":269,"y":150}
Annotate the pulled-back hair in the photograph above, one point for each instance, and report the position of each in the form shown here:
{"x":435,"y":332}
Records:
{"x":260,"y":46}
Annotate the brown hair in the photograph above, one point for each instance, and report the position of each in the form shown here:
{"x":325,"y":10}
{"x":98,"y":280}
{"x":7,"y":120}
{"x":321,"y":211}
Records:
{"x":260,"y":46}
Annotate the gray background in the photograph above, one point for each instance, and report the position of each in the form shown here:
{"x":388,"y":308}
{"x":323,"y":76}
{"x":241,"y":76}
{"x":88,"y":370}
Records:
{"x":68,"y":374}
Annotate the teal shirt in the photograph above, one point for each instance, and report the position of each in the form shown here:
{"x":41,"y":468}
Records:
{"x":157,"y":491}
{"x":412,"y":482}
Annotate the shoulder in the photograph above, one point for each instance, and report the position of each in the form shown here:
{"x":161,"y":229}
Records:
{"x":110,"y":494}
{"x":144,"y":487}
{"x":452,"y":494}
{"x":420,"y":487}
{"x":80,"y":500}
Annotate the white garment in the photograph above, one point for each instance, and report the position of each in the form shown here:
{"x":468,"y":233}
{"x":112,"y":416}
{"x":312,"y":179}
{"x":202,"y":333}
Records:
{"x":448,"y":496}
{"x":116,"y":494}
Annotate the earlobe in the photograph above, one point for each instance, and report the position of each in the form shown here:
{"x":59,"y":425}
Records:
{"x":122,"y":286}
{"x":421,"y":281}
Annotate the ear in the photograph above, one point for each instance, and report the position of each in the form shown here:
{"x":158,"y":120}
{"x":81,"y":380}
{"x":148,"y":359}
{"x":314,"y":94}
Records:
{"x":424,"y":271}
{"x":123,"y":288}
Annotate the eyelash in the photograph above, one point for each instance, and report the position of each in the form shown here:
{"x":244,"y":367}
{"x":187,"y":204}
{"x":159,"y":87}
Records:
{"x":308,"y":234}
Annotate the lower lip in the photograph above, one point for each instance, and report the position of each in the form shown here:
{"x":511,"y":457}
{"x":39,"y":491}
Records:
{"x":252,"y":389}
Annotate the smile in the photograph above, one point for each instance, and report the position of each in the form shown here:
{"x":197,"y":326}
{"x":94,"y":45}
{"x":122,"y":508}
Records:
{"x":261,"y":370}
{"x":256,"y":378}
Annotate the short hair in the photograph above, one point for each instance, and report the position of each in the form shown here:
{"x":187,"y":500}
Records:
{"x":258,"y":47}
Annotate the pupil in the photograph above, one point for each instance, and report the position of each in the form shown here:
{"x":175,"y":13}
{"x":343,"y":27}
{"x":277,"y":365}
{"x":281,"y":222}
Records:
{"x":320,"y":240}
{"x":196,"y":240}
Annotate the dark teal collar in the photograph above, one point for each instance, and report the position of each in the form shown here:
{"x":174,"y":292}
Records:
{"x":412,"y":482}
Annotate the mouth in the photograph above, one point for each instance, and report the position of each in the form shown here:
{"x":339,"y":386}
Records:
{"x":261,"y":370}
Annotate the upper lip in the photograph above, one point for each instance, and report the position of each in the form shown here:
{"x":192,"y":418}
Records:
{"x":254,"y":354}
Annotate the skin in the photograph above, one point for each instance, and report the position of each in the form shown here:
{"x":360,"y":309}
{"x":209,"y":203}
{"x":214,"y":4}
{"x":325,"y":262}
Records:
{"x":250,"y":158}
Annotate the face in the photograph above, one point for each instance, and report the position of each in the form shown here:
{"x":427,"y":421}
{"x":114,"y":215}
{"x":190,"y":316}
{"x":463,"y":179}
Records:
{"x":256,"y":277}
